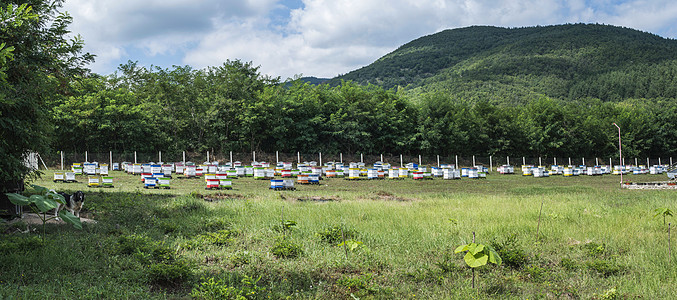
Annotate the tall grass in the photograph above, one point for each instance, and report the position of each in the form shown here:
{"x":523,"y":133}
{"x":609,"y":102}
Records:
{"x":594,"y":239}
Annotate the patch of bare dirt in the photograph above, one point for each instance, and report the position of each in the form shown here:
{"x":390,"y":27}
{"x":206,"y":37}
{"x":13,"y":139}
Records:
{"x":319,"y":199}
{"x":221,"y":197}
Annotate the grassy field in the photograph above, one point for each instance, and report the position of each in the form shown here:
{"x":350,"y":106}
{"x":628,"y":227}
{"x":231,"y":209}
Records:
{"x":595,"y":241}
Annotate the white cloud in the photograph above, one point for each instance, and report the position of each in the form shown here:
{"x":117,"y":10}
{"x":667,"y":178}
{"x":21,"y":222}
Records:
{"x":324,"y":37}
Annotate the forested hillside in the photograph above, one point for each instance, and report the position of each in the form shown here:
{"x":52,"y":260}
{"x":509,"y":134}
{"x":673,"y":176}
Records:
{"x":567,"y":62}
{"x":571,"y":83}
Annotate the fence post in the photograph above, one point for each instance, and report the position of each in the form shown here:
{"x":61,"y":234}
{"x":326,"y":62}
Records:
{"x":135,"y":158}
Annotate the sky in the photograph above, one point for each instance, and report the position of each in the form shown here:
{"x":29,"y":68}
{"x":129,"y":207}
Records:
{"x":321,"y":38}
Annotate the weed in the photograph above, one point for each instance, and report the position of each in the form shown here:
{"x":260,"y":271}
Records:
{"x":219,"y":223}
{"x":220,"y":238}
{"x":241,"y":258}
{"x":568,"y":264}
{"x":595,"y":250}
{"x":209,"y":288}
{"x":535,"y":273}
{"x":360,"y":285}
{"x":286,"y":249}
{"x":605,"y":268}
{"x":169,"y":274}
{"x":14,"y":244}
{"x":335,"y":234}
{"x":510,"y":251}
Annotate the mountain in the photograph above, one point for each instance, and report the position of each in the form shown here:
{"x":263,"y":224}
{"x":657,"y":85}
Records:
{"x":571,"y":61}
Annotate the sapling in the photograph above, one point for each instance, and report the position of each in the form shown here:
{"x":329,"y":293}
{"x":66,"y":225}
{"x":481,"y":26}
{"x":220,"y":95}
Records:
{"x":42,"y":202}
{"x":663,"y":211}
{"x":478,"y":255}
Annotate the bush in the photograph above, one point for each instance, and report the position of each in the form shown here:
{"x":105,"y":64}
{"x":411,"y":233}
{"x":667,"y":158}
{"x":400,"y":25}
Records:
{"x":333,"y":235}
{"x":286,"y":249}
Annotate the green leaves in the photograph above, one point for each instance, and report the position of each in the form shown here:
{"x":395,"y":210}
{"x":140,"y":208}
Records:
{"x":18,"y":199}
{"x":70,"y":218}
{"x":478,"y":255}
{"x":663,"y":211}
{"x":350,"y":244}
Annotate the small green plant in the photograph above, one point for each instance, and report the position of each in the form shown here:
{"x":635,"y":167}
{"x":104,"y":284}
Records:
{"x":43,"y":201}
{"x":335,"y":234}
{"x":610,"y":294}
{"x":510,"y":251}
{"x":478,"y":255}
{"x":360,"y":285}
{"x":350,"y":244}
{"x":285,"y":227}
{"x":217,"y":289}
{"x":605,"y":268}
{"x":568,"y":264}
{"x":286,"y":249}
{"x":665,"y":212}
{"x":169,"y":274}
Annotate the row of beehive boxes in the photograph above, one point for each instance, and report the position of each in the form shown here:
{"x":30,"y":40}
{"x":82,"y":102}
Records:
{"x":568,"y":171}
{"x":89,"y":168}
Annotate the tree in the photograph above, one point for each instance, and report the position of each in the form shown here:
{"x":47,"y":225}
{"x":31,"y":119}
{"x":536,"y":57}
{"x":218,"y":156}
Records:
{"x":41,"y":64}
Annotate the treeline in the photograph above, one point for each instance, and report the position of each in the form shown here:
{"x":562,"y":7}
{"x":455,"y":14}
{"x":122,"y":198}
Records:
{"x":234,"y":108}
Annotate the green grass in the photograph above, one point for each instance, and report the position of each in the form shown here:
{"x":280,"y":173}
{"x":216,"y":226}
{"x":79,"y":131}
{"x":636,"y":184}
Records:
{"x":595,"y":241}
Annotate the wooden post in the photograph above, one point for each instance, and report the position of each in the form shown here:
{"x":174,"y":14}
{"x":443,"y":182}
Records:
{"x":473,"y":269}
{"x":539,"y":221}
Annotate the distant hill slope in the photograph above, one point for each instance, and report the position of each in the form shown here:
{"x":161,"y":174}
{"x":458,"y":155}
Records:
{"x":570,"y":61}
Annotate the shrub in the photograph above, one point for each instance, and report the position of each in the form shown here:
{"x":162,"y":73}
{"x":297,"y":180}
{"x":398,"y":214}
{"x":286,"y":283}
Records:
{"x":286,"y":249}
{"x":333,"y":235}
